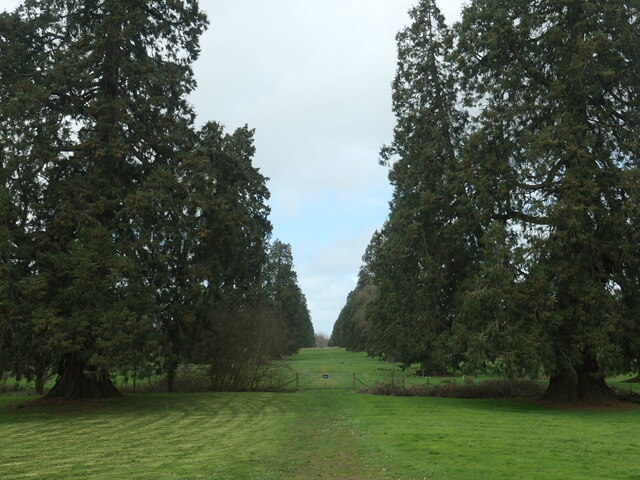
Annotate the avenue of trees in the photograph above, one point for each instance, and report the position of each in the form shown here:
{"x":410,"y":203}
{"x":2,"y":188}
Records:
{"x":513,"y":237}
{"x":130,"y":241}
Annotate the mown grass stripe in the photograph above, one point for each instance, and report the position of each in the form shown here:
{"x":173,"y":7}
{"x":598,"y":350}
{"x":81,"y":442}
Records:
{"x":321,"y":434}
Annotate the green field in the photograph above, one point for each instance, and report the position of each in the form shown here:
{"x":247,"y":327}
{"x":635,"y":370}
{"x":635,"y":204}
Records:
{"x":316,"y":433}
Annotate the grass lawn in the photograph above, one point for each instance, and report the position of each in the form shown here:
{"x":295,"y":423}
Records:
{"x":368,"y":370}
{"x":315,"y":434}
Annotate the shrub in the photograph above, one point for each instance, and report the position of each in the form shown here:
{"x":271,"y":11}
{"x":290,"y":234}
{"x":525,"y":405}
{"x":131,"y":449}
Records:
{"x":505,"y":388}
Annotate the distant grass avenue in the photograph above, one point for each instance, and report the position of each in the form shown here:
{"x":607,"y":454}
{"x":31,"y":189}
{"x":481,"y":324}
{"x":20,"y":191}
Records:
{"x":316,"y":433}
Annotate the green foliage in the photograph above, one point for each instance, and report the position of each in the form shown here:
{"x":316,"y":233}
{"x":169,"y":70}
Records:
{"x":426,"y":247}
{"x":127,"y":238}
{"x":248,"y":321}
{"x":554,"y":130}
{"x":285,"y":298}
{"x":209,"y":209}
{"x":351,"y":329}
{"x":512,"y":235}
{"x":502,"y":388}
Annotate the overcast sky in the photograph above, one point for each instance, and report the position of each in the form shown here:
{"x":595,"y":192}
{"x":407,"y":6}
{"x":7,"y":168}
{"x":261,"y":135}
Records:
{"x":313,"y":77}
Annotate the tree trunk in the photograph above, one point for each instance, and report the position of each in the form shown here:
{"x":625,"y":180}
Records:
{"x":74,"y":384}
{"x":583,"y":383}
{"x":172,"y":369}
{"x":40,"y":381}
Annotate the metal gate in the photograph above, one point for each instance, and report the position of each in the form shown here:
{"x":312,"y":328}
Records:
{"x":326,"y":380}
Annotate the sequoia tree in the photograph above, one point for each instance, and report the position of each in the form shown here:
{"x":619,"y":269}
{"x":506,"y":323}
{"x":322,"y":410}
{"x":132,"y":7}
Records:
{"x":103,"y":85}
{"x":423,"y":248}
{"x":23,"y":113}
{"x":555,"y":85}
{"x":513,"y":231}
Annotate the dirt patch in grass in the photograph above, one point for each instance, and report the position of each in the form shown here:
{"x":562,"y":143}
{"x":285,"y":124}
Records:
{"x":342,"y":464}
{"x":328,"y":447}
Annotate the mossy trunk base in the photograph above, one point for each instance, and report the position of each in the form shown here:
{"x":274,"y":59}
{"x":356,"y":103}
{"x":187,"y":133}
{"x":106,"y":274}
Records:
{"x":73,"y":382}
{"x":582,"y":385}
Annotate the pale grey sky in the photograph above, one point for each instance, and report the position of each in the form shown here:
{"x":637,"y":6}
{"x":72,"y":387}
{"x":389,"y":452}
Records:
{"x":313,"y":77}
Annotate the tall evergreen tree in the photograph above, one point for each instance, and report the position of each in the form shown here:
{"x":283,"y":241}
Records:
{"x":424,"y":249}
{"x":514,"y":239}
{"x":352,"y":327}
{"x":230,"y":230}
{"x":285,"y":298}
{"x":26,"y":120}
{"x":556,"y":144}
{"x":209,"y":211}
{"x":107,"y":81}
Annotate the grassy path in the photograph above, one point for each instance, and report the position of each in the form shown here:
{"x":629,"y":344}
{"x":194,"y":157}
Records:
{"x":314,"y":434}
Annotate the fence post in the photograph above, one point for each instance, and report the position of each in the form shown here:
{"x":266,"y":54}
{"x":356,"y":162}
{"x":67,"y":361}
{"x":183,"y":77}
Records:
{"x":297,"y":379}
{"x":354,"y":380}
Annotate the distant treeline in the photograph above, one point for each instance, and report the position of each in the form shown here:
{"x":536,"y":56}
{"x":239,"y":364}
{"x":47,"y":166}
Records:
{"x":513,"y":237}
{"x":130,"y":241}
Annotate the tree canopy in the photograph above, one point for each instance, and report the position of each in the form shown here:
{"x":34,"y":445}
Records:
{"x":129,"y":239}
{"x":512,"y":234}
